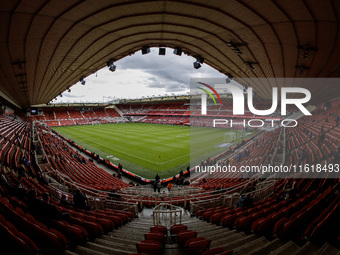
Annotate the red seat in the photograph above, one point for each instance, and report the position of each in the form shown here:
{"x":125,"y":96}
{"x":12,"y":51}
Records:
{"x":288,"y":229}
{"x":262,"y":226}
{"x":198,"y":247}
{"x":216,"y":217}
{"x":256,"y":215}
{"x":228,"y":221}
{"x":93,"y":228}
{"x":184,"y":236}
{"x":243,"y":222}
{"x":151,"y":247}
{"x":159,"y":228}
{"x":155,"y":236}
{"x":195,"y":239}
{"x":279,"y":225}
{"x":14,"y":243}
{"x":177,"y":228}
{"x":214,"y":251}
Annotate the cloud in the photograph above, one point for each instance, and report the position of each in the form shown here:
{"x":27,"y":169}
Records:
{"x":72,"y":95}
{"x":142,"y":75}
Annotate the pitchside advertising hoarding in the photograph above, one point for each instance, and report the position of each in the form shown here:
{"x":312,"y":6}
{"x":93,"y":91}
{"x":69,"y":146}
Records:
{"x":265,"y":127}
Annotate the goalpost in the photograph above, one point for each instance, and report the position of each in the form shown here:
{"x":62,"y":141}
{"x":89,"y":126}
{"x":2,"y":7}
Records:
{"x":229,"y":137}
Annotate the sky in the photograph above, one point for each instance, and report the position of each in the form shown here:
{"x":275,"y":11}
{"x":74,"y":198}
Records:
{"x":139,"y":76}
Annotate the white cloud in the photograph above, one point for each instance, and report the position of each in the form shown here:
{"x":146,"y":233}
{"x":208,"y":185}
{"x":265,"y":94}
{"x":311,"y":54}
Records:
{"x":140,"y":75}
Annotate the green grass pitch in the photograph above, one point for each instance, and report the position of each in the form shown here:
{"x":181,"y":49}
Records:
{"x":147,"y":149}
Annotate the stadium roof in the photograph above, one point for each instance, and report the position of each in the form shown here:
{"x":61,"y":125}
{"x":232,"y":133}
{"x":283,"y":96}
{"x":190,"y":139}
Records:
{"x":47,"y":45}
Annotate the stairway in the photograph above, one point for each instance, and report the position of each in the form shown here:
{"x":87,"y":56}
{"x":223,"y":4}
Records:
{"x":123,"y":241}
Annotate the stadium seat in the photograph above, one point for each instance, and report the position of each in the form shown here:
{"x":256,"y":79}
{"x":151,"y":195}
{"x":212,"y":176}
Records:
{"x":160,"y":237}
{"x":214,"y":251}
{"x":184,"y":236}
{"x":177,"y":228}
{"x":198,"y":247}
{"x":228,"y":221}
{"x":151,"y":247}
{"x":261,"y":226}
{"x":242,"y":223}
{"x":159,"y":228}
{"x":195,"y":239}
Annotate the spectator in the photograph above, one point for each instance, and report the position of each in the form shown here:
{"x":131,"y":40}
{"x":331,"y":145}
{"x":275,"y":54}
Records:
{"x":240,"y":202}
{"x":63,"y":201}
{"x":290,"y":191}
{"x":120,"y":168}
{"x":174,"y":179}
{"x":27,"y":162}
{"x":169,"y":186}
{"x":281,"y":197}
{"x":80,"y":201}
{"x":159,"y":186}
{"x":203,"y":181}
{"x":188,"y":171}
{"x":157,"y":178}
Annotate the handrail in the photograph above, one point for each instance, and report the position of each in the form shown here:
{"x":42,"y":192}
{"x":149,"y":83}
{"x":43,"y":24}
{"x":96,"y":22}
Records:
{"x":276,"y":147}
{"x":97,"y":202}
{"x":251,"y":180}
{"x":161,"y":213}
{"x":284,"y":146}
{"x":223,"y":199}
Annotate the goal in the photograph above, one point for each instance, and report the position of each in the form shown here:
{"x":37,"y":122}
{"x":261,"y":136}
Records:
{"x":229,"y":137}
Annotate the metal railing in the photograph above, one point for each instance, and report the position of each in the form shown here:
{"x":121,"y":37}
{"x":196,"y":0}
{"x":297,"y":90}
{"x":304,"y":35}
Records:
{"x":167,"y":215}
{"x":230,"y":198}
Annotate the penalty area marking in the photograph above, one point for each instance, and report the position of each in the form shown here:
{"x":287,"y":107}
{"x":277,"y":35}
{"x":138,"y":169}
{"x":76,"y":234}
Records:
{"x":223,"y":145}
{"x":112,"y":157}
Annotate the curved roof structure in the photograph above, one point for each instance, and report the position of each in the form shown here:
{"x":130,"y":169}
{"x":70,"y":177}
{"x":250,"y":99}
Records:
{"x":47,"y":45}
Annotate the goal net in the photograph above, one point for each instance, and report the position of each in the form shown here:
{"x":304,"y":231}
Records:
{"x":229,"y":137}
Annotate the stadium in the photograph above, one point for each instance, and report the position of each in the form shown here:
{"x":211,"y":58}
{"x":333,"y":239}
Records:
{"x":244,"y":164}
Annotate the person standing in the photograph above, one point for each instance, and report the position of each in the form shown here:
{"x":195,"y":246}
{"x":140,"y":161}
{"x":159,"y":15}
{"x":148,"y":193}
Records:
{"x":159,"y":186}
{"x":169,"y":186}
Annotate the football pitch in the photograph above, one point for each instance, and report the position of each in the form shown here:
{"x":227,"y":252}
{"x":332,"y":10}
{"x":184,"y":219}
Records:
{"x":146,"y":149}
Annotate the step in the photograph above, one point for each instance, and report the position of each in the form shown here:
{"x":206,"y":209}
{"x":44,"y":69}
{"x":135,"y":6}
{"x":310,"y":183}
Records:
{"x":267,"y":248}
{"x":239,"y":242}
{"x":328,"y":249}
{"x":248,"y":247}
{"x":229,"y":237}
{"x":108,"y":250}
{"x":87,"y":251}
{"x":115,"y":245}
{"x":209,"y":230}
{"x":287,"y":248}
{"x":307,"y":248}
{"x":216,"y":234}
{"x":136,"y":228}
{"x":117,"y":239}
{"x":225,"y":234}
{"x":127,"y":235}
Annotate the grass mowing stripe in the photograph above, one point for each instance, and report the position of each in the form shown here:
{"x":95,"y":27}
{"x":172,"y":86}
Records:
{"x":147,"y":149}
